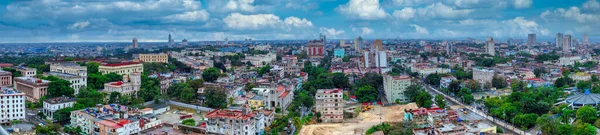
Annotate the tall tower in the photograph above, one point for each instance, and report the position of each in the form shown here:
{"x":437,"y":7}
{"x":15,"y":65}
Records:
{"x":226,"y":41}
{"x":586,"y":40}
{"x":135,"y":43}
{"x":559,"y":40}
{"x":489,"y":45}
{"x":448,"y":47}
{"x":323,"y":38}
{"x":170,"y":40}
{"x":378,"y":45}
{"x":531,"y":39}
{"x":566,"y":44}
{"x":342,"y":42}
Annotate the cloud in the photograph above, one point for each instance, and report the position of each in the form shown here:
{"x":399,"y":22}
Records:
{"x":440,"y":10}
{"x":592,"y":5}
{"x":573,"y":13}
{"x":404,"y":14}
{"x":263,"y":21}
{"x":420,"y":30}
{"x":199,"y":15}
{"x":362,"y":10}
{"x":522,"y":3}
{"x":331,"y":32}
{"x":79,"y":25}
{"x":410,"y":2}
{"x":366,"y":31}
{"x":243,"y":6}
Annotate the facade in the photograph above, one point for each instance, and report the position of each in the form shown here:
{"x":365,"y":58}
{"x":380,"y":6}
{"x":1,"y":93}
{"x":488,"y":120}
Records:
{"x":358,"y":43}
{"x":129,"y":86}
{"x":27,"y":72}
{"x":159,"y":58}
{"x":33,"y":88}
{"x":260,"y":60}
{"x":559,"y":40}
{"x":278,"y":97}
{"x":290,"y":64}
{"x":490,"y":46}
{"x":330,"y":103}
{"x":69,"y":68}
{"x":566,"y":48}
{"x":395,"y":86}
{"x":12,"y":105}
{"x":123,"y":68}
{"x":112,"y":119}
{"x":54,"y":104}
{"x":338,"y":53}
{"x":315,"y":48}
{"x":586,"y":40}
{"x":165,"y":81}
{"x":375,"y":59}
{"x":531,"y":39}
{"x":233,"y":122}
{"x":483,"y":75}
{"x":77,"y":82}
{"x":5,"y":78}
{"x":377,"y":45}
{"x":135,"y":43}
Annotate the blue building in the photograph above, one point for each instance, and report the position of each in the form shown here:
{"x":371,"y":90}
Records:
{"x":338,"y":53}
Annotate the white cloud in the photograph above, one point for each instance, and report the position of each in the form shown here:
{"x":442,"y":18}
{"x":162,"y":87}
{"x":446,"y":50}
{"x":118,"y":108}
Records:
{"x":331,"y":32}
{"x":420,"y":30}
{"x":79,"y":25}
{"x":411,"y":2}
{"x":573,"y":13}
{"x":366,"y":31}
{"x":363,"y":10}
{"x":521,"y":26}
{"x":263,"y":21}
{"x":245,"y":6}
{"x":439,"y":10}
{"x":199,"y":15}
{"x":591,"y":5}
{"x":405,"y":14}
{"x":522,"y":3}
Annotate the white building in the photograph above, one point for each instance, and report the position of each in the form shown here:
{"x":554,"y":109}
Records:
{"x":129,"y":86}
{"x":490,"y":46}
{"x":54,"y":104}
{"x":77,"y":82}
{"x":123,"y":68}
{"x":260,"y":60}
{"x":12,"y":105}
{"x":483,"y":75}
{"x":27,"y":72}
{"x":69,"y":68}
{"x":330,"y":103}
{"x":375,"y":59}
{"x":231,"y":122}
{"x":279,"y":97}
{"x":395,"y":86}
{"x":564,"y":61}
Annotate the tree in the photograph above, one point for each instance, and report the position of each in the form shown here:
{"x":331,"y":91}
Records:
{"x":526,"y":121}
{"x":114,"y":97}
{"x":412,"y":91}
{"x":439,"y":101}
{"x":371,"y":79}
{"x":59,"y":87}
{"x":211,"y":74}
{"x":595,"y":78}
{"x":113,"y":77}
{"x":539,"y":72}
{"x":473,"y":85}
{"x":582,"y":85}
{"x":587,"y":114}
{"x":306,"y":100}
{"x":565,"y":129}
{"x":433,"y":79}
{"x":518,"y":85}
{"x":548,"y":125}
{"x":89,"y":97}
{"x":263,"y":70}
{"x":366,"y":94}
{"x":585,"y":129}
{"x":189,"y":122}
{"x":96,"y":81}
{"x":499,"y":82}
{"x":196,"y":84}
{"x":423,"y":99}
{"x":215,"y":98}
{"x":454,"y":86}
{"x":340,"y":80}
{"x":63,"y":115}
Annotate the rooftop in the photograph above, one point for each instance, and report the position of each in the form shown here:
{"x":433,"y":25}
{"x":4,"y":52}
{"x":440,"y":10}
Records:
{"x":121,"y":64}
{"x":58,"y":100}
{"x":69,"y":64}
{"x":9,"y":91}
{"x":229,"y":114}
{"x":585,"y":98}
{"x":32,"y":79}
{"x":61,"y":75}
{"x":329,"y":91}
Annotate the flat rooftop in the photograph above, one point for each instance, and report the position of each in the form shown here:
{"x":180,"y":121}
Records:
{"x":5,"y":90}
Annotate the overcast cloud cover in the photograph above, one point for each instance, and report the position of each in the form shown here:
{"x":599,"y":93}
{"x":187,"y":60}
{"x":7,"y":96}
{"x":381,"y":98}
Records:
{"x":199,"y":20}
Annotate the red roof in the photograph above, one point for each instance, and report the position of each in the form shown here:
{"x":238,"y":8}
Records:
{"x":229,"y":114}
{"x":6,"y":65}
{"x":118,"y":83}
{"x":121,"y":64}
{"x":284,"y":94}
{"x":110,"y":124}
{"x":123,"y":122}
{"x":280,"y":88}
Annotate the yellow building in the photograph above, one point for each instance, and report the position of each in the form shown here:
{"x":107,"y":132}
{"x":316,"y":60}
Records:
{"x":123,"y":68}
{"x":160,"y":58}
{"x":256,"y":102}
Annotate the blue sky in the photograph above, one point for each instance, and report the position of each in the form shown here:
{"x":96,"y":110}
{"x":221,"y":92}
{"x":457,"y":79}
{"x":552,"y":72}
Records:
{"x":209,"y":20}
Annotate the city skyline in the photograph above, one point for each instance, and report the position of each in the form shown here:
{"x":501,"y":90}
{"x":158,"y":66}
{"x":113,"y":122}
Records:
{"x":236,"y":20}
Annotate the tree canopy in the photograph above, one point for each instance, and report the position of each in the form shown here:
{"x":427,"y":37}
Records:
{"x":211,"y":74}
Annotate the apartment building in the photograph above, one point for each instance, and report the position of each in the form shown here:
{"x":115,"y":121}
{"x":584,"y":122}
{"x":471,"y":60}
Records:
{"x":77,"y":82}
{"x":395,"y":86}
{"x":27,"y":72}
{"x":165,"y":81}
{"x":330,"y":103}
{"x":33,"y":88}
{"x":54,"y":104}
{"x":129,"y":86}
{"x":12,"y":105}
{"x":5,"y":78}
{"x":160,"y":57}
{"x":123,"y":68}
{"x":112,"y":119}
{"x":237,"y":122}
{"x":69,"y":68}
{"x":483,"y":75}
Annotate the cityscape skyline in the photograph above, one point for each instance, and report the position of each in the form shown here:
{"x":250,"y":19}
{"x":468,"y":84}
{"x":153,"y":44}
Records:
{"x":236,"y":20}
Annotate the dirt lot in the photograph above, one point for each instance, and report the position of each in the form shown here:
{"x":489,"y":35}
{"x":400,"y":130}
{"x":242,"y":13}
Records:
{"x":365,"y":121}
{"x":172,"y":117}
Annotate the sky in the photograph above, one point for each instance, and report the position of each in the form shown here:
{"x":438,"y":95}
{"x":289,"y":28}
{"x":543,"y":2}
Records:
{"x":210,"y":20}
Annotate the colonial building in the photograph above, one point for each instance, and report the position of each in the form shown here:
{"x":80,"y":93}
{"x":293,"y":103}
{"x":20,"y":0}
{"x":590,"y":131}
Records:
{"x":77,"y":82}
{"x":277,"y":96}
{"x":27,"y":72}
{"x":33,"y":88}
{"x":483,"y":75}
{"x":160,"y":58}
{"x":123,"y":68}
{"x":5,"y":78}
{"x":315,"y":48}
{"x":129,"y":86}
{"x":69,"y":68}
{"x":54,"y":104}
{"x":330,"y":103}
{"x":112,"y":119}
{"x":12,"y":105}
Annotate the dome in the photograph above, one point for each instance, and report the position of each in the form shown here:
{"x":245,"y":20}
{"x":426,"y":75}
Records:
{"x":585,"y":98}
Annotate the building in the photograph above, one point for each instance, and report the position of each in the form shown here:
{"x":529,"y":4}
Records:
{"x":290,"y":64}
{"x":159,"y":58}
{"x":233,"y":122}
{"x":339,"y":53}
{"x":123,"y":68}
{"x":5,"y":78}
{"x":184,"y":42}
{"x":330,"y":103}
{"x":27,"y":72}
{"x":358,"y":43}
{"x":377,"y":45}
{"x":171,"y":40}
{"x":165,"y":81}
{"x":586,"y":40}
{"x":256,"y":102}
{"x":12,"y":105}
{"x":446,"y":80}
{"x":483,"y":75}
{"x":315,"y":48}
{"x":375,"y":59}
{"x":559,"y":40}
{"x":54,"y":104}
{"x":278,"y":97}
{"x":342,"y":42}
{"x":261,"y":59}
{"x":566,"y":48}
{"x":582,"y":99}
{"x":129,"y":86}
{"x":112,"y":119}
{"x":448,"y":48}
{"x":33,"y":88}
{"x":135,"y":43}
{"x":69,"y":68}
{"x":490,"y":46}
{"x":531,"y":39}
{"x":77,"y":82}
{"x":395,"y":86}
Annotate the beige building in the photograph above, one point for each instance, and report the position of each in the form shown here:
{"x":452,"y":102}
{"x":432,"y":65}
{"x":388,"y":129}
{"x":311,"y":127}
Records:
{"x":482,"y":75}
{"x":123,"y":68}
{"x":395,"y":86}
{"x":129,"y":86}
{"x":28,"y":72}
{"x":69,"y":68}
{"x":160,"y":58}
{"x":330,"y":103}
{"x":33,"y":88}
{"x":5,"y":78}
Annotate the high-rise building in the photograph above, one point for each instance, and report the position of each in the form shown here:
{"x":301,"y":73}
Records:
{"x":12,"y":105}
{"x":358,"y":43}
{"x":330,"y":103}
{"x":135,"y":43}
{"x":375,"y":59}
{"x":170,"y":40}
{"x":559,"y":40}
{"x":531,"y":39}
{"x":377,"y":45}
{"x":566,"y":44}
{"x":184,"y":42}
{"x":489,"y":46}
{"x":510,"y":41}
{"x":448,"y":48}
{"x":395,"y":87}
{"x":342,"y":42}
{"x":586,"y":41}
{"x":226,"y":41}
